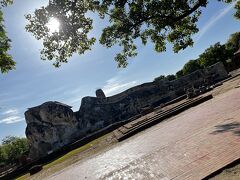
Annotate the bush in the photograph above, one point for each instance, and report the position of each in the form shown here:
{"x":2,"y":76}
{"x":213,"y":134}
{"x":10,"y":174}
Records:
{"x":12,"y":149}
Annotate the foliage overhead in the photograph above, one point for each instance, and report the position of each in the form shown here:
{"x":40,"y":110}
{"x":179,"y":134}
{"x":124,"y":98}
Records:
{"x":5,"y":3}
{"x":153,"y":21}
{"x":6,"y":61}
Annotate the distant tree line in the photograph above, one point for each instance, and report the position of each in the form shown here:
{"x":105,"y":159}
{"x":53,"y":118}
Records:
{"x":11,"y":150}
{"x":213,"y":54}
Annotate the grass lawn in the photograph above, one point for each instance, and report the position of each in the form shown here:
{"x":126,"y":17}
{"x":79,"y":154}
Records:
{"x":71,"y":157}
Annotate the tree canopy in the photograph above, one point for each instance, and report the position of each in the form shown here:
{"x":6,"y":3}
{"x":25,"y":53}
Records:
{"x":214,"y":54}
{"x":191,"y":66}
{"x":179,"y":74}
{"x":6,"y":61}
{"x":169,"y":77}
{"x":233,"y":43}
{"x":157,"y":22}
{"x":211,"y":55}
{"x":12,"y":148}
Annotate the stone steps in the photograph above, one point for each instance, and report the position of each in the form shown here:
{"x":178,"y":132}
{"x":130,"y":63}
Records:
{"x":136,"y":126}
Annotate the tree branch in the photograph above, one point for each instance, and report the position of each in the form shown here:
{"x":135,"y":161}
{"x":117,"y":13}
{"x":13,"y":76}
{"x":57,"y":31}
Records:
{"x":170,"y":18}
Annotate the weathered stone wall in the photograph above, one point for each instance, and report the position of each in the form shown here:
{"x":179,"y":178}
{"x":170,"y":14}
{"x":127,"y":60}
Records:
{"x":96,"y":113}
{"x":50,"y":126}
{"x":209,"y":75}
{"x":53,"y":125}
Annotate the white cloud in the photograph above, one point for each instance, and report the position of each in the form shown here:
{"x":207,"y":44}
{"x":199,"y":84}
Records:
{"x":10,"y":111}
{"x":114,"y":86}
{"x":11,"y":116}
{"x":11,"y":120}
{"x":213,"y":20}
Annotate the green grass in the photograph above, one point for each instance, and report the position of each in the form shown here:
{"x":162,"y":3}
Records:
{"x":67,"y":156}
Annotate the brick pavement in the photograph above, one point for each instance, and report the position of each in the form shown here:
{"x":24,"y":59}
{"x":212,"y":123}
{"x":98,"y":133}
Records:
{"x":190,"y":145}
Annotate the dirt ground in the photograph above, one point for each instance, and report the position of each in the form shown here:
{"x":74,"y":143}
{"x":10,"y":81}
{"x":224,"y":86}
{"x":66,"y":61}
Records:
{"x":232,"y":173}
{"x":107,"y":142}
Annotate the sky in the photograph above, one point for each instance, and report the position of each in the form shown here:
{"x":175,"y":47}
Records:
{"x":36,"y":81}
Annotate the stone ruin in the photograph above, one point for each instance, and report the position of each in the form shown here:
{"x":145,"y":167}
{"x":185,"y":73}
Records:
{"x":53,"y":125}
{"x":100,"y":93}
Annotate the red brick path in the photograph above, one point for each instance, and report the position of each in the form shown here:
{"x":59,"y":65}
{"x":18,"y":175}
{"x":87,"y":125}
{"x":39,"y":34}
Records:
{"x":191,"y":145}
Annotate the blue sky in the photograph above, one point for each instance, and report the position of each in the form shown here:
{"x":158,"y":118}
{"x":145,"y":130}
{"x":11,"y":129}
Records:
{"x":36,"y":81}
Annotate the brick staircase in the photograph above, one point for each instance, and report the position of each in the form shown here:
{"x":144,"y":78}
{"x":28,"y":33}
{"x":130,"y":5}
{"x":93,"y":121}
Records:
{"x":145,"y":122}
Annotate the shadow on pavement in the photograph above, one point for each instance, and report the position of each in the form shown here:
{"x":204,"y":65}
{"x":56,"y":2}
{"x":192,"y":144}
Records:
{"x":233,"y":127}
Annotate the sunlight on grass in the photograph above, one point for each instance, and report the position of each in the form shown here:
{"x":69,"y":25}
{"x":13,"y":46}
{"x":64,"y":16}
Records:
{"x":66,"y":156}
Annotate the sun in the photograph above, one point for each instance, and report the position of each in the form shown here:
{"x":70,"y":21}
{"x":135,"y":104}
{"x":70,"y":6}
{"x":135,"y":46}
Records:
{"x":53,"y":25}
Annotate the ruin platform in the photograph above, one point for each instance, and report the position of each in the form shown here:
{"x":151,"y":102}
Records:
{"x":151,"y":119}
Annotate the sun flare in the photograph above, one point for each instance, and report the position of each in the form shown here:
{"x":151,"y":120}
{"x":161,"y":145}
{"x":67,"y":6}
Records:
{"x":53,"y":25}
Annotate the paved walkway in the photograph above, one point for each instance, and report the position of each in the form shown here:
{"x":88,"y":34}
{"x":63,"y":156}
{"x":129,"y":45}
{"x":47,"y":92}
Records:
{"x":190,"y":145}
